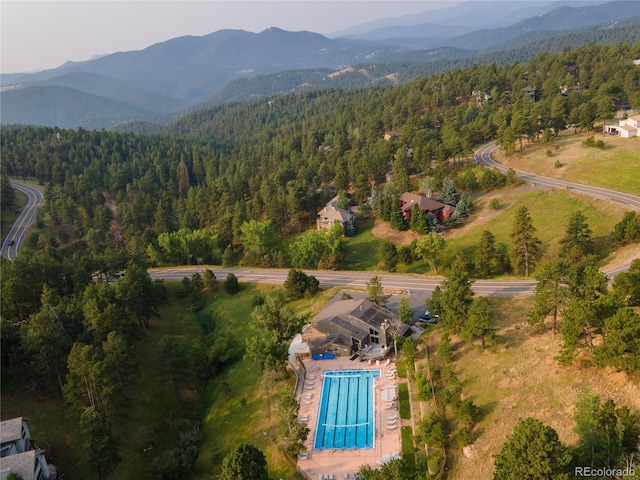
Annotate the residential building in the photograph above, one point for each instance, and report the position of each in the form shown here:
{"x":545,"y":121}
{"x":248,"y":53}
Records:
{"x":18,"y":453}
{"x":626,"y":128}
{"x":434,"y":206}
{"x":331,"y":213}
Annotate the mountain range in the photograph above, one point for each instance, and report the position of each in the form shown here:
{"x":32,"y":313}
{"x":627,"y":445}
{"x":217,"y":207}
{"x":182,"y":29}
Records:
{"x":157,"y":83}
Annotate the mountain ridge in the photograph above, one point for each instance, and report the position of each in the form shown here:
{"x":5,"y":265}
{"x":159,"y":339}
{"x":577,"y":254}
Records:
{"x":183,"y":72}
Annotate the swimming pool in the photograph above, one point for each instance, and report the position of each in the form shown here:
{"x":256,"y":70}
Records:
{"x":346,"y":416}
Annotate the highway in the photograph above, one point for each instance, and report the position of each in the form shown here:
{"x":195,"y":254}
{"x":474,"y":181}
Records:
{"x":391,"y":282}
{"x":35,"y":199}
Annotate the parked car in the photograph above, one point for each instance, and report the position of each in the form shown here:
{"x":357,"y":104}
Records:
{"x":427,"y":319}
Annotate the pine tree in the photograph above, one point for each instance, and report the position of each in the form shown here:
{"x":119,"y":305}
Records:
{"x":577,"y":242}
{"x":526,"y":246}
{"x":396,"y":220}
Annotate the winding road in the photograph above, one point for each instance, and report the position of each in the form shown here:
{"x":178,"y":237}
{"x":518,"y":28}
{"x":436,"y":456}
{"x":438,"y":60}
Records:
{"x":406,"y":282}
{"x":24,"y":220}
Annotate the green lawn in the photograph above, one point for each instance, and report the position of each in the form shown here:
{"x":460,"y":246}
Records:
{"x":362,"y":249}
{"x":408,"y":447}
{"x":550,"y":211}
{"x":403,"y":401}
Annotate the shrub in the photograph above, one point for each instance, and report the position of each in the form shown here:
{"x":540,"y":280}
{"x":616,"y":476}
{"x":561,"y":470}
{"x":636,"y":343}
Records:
{"x":548,"y":152}
{"x":231,"y":285}
{"x":558,"y":164}
{"x":494,"y":204}
{"x":463,"y":437}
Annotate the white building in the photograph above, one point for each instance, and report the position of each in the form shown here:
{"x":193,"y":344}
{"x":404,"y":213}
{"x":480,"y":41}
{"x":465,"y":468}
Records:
{"x":625,"y":128}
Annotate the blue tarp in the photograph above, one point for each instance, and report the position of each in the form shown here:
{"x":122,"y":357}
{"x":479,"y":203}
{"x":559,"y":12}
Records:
{"x":323,"y":356}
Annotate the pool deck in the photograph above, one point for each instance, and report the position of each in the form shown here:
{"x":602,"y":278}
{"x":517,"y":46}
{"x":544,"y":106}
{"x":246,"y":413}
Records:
{"x":337,"y":462}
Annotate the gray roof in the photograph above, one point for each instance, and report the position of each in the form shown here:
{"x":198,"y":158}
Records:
{"x":10,"y":430}
{"x":344,"y":320}
{"x":24,"y":464}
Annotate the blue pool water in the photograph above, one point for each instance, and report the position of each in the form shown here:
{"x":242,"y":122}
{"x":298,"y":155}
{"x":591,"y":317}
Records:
{"x":346,"y":417}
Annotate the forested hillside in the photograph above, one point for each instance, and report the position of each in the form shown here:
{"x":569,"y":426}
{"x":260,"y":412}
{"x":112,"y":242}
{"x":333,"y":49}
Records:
{"x":273,"y":160}
{"x":241,"y":184}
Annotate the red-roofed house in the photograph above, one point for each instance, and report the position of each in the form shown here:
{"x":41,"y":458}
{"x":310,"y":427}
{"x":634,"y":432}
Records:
{"x":428,"y":205}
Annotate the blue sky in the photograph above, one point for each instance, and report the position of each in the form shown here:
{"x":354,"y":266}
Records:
{"x":37,"y":35}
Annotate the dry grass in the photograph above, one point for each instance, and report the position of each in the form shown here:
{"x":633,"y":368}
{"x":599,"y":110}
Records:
{"x":383,"y":231}
{"x":614,"y":167}
{"x":520,"y":378}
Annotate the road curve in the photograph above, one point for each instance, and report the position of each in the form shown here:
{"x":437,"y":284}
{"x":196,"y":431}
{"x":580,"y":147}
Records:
{"x":349,"y":278}
{"x":483,"y":157}
{"x":34,"y":200}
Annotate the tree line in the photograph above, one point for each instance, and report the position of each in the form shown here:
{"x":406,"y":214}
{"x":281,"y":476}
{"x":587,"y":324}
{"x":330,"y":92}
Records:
{"x":280,"y":160}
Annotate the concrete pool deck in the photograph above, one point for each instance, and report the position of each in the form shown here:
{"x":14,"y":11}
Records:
{"x":337,"y":462}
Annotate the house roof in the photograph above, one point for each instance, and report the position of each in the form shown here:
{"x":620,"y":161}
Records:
{"x":635,"y":117}
{"x":449,"y":209}
{"x":23,"y":464}
{"x":10,"y":430}
{"x":331,"y":214}
{"x":356,"y":315}
{"x":424,"y":203}
{"x":628,"y":128}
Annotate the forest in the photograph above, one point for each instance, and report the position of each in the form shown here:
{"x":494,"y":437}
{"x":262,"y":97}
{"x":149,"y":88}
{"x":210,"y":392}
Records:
{"x":240,"y":184}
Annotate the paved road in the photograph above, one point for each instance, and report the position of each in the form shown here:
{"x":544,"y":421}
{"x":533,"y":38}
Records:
{"x":483,"y":156}
{"x":413,"y":283}
{"x":28,"y":214}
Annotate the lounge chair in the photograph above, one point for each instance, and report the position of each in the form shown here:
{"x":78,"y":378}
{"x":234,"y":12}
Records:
{"x":392,"y":417}
{"x":391,"y":427}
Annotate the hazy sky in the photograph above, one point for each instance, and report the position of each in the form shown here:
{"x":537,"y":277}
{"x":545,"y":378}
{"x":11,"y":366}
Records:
{"x":37,"y":35}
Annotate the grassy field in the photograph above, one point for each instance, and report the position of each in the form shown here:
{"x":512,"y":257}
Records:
{"x":616,"y":167}
{"x":550,"y":211}
{"x":362,"y":249}
{"x":519,"y":378}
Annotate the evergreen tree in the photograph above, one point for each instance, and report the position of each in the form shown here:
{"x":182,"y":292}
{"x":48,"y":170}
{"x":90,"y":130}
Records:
{"x":244,"y":462}
{"x":389,"y":256}
{"x":418,"y":222}
{"x":526,"y":246}
{"x":480,"y":323}
{"x":577,"y":243}
{"x":375,"y":292}
{"x":621,"y":348}
{"x":551,"y":292}
{"x":396,"y":219}
{"x":449,"y":193}
{"x":456,"y":298}
{"x":485,"y":260}
{"x":532,"y":451}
